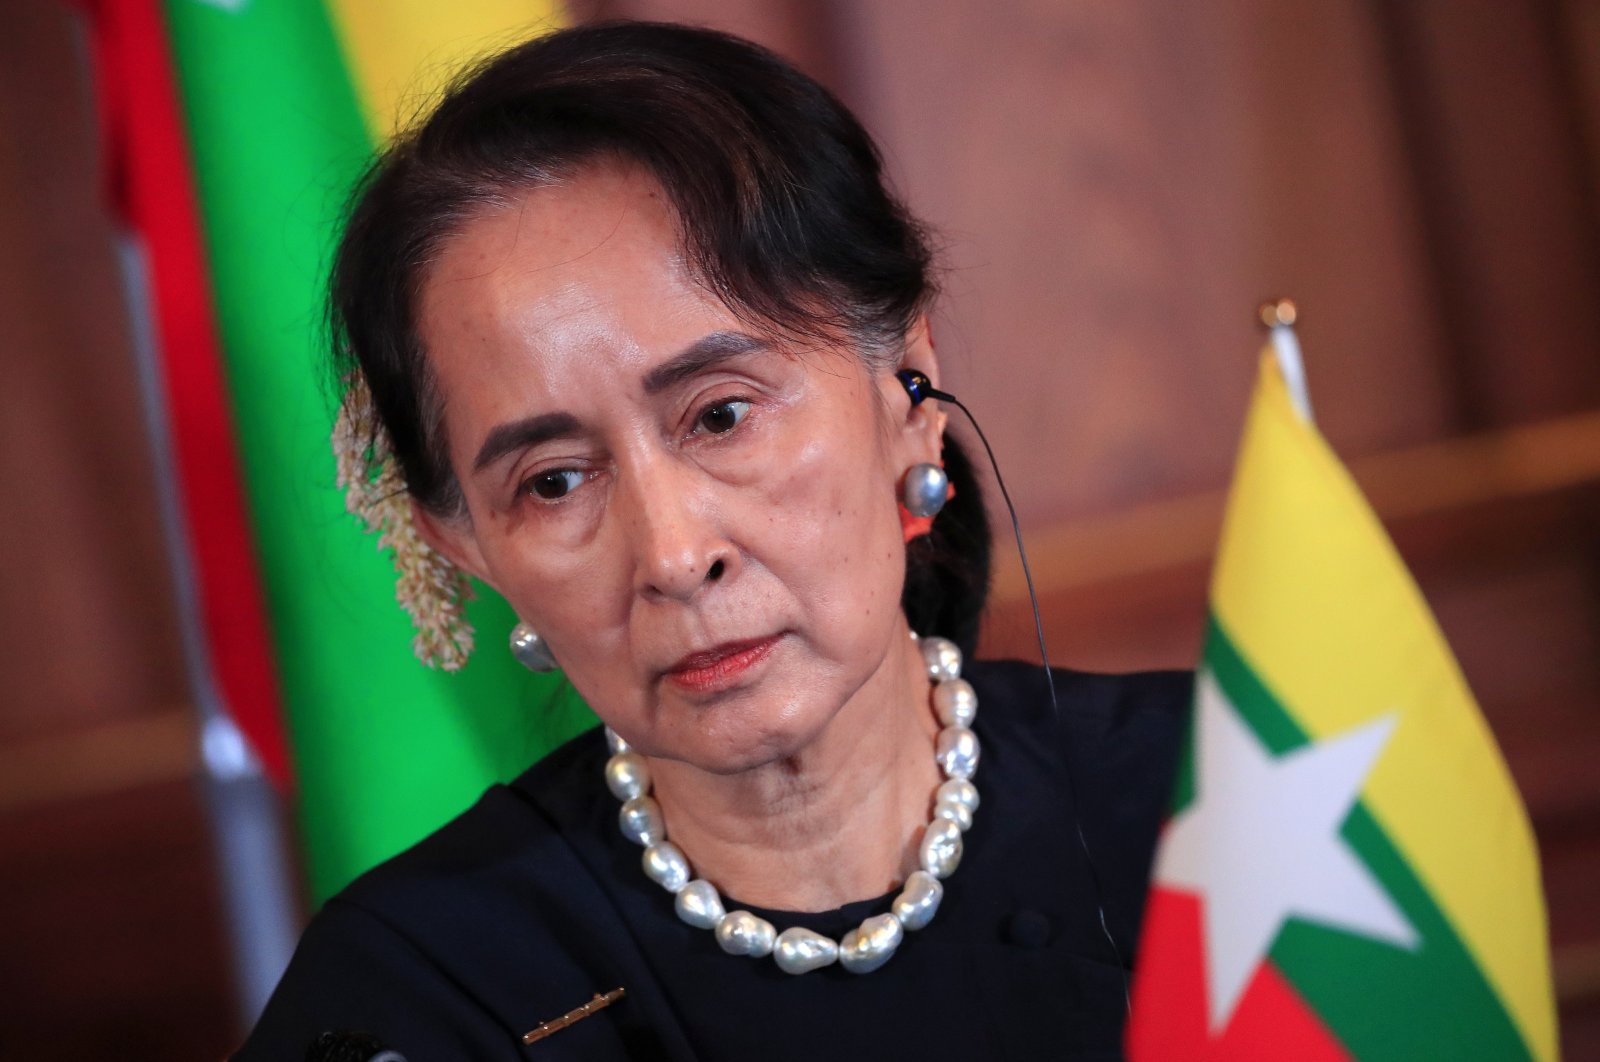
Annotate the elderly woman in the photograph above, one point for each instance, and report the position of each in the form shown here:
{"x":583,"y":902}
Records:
{"x":647,"y":338}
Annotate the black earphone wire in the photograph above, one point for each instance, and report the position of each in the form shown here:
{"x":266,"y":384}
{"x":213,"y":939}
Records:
{"x":927,"y":390}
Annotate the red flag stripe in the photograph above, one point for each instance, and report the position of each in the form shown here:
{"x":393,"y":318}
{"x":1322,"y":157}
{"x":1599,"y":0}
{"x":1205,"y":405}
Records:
{"x":152,"y":184}
{"x":1270,"y":1023}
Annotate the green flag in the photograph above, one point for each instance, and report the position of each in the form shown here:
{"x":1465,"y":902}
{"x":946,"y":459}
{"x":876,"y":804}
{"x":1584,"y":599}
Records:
{"x":284,"y":104}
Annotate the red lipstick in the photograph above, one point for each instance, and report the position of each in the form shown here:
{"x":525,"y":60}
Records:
{"x":719,"y":667}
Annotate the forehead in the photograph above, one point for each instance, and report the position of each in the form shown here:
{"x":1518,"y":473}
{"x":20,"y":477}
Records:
{"x":583,"y":269}
{"x":606,"y":212}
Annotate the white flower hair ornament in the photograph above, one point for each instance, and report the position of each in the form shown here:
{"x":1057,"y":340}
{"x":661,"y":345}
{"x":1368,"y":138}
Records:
{"x":433,"y":591}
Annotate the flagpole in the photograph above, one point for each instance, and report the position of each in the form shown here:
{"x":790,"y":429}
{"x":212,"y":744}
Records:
{"x":1279,"y":316}
{"x":246,"y":818}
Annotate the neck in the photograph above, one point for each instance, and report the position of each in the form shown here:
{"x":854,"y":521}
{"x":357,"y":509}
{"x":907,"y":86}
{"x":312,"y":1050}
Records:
{"x":837,"y":822}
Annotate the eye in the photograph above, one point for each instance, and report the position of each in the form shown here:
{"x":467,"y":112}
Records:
{"x":556,"y":483}
{"x":722,"y":417}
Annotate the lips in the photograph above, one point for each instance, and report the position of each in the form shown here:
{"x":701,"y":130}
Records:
{"x":720,"y":666}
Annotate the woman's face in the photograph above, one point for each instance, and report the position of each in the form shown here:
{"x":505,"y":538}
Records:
{"x":700,"y":520}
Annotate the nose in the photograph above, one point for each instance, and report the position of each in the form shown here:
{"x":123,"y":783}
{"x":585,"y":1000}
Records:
{"x":678,"y":541}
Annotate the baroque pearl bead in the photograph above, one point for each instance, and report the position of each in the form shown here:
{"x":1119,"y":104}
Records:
{"x":799,"y":950}
{"x":641,"y":821}
{"x":960,"y":790}
{"x":742,"y":933}
{"x":666,"y":866}
{"x":957,"y":752}
{"x":698,"y":904}
{"x":871,"y":944}
{"x":917,"y":902}
{"x":955,"y":702}
{"x":615,"y":743}
{"x":942,"y":657}
{"x":956,"y":812}
{"x":627,"y":776}
{"x":940,"y":850}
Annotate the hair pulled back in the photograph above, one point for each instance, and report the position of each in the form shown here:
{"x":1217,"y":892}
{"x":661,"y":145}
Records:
{"x":781,"y":206}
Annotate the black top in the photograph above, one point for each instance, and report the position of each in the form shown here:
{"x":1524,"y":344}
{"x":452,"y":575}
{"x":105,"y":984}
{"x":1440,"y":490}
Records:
{"x":531,"y":902}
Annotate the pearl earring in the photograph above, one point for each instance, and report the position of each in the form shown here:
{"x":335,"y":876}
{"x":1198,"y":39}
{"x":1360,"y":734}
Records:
{"x":925,"y":490}
{"x":530,"y":649}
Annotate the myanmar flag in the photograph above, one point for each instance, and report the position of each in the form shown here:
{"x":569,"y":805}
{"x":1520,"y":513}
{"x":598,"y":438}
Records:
{"x":1348,"y":872}
{"x":234,"y":133}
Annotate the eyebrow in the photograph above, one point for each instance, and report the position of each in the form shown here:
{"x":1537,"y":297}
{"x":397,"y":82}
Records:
{"x":520,"y":434}
{"x":704,"y":353}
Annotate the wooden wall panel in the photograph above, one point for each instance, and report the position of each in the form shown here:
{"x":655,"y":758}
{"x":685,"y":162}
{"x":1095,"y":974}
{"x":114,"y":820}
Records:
{"x":113,"y":929}
{"x":1119,"y":186}
{"x":86,"y":623}
{"x":1494,"y":114}
{"x":1575,"y":25}
{"x":113,"y":941}
{"x":799,"y":30}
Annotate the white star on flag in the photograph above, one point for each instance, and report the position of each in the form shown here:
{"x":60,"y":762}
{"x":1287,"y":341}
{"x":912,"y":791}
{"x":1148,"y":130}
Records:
{"x":1260,"y":844}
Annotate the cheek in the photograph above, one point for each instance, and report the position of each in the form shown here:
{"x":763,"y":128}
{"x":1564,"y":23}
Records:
{"x":584,"y":611}
{"x":840,"y":550}
{"x":577,"y":597}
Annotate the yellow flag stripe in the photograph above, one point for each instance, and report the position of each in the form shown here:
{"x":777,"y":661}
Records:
{"x":1318,"y":600}
{"x":402,"y":53}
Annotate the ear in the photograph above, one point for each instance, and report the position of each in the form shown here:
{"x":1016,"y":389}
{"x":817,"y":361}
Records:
{"x":921,"y":427}
{"x":452,"y":538}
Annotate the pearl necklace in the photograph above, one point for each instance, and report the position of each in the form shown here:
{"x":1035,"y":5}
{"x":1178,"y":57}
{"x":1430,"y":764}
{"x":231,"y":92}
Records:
{"x":798,"y":950}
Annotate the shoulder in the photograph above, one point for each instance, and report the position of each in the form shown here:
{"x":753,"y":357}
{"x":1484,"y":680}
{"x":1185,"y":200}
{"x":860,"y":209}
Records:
{"x":513,"y":851}
{"x":1113,"y":744}
{"x":1088,"y":698}
{"x":414,"y":952}
{"x":1128,"y":717}
{"x":513,"y":841}
{"x":511,"y":832}
{"x":1116,"y":737}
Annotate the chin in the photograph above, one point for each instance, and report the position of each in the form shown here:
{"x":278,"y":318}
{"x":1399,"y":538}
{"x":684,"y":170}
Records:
{"x":753,"y":728}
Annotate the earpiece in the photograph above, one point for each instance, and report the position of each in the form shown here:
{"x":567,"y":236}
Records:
{"x":920,"y":388}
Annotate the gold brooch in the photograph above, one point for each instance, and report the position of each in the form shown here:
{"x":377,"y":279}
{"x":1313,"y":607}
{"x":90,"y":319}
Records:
{"x":599,"y":1002}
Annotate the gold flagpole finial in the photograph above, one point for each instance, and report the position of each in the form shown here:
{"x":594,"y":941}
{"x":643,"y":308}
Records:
{"x":1279,"y":316}
{"x":1275,"y":312}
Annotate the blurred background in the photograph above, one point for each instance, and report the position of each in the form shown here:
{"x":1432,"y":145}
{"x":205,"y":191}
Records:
{"x":1116,"y":186}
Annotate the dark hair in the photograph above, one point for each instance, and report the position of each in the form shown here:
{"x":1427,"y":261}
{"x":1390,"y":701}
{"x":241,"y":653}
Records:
{"x":781,"y":204}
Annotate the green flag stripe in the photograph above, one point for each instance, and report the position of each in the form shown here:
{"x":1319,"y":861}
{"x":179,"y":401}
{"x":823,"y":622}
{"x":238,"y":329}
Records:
{"x":1183,"y":785}
{"x":385,"y":750}
{"x":1276,"y":730}
{"x":1383,"y":1002}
